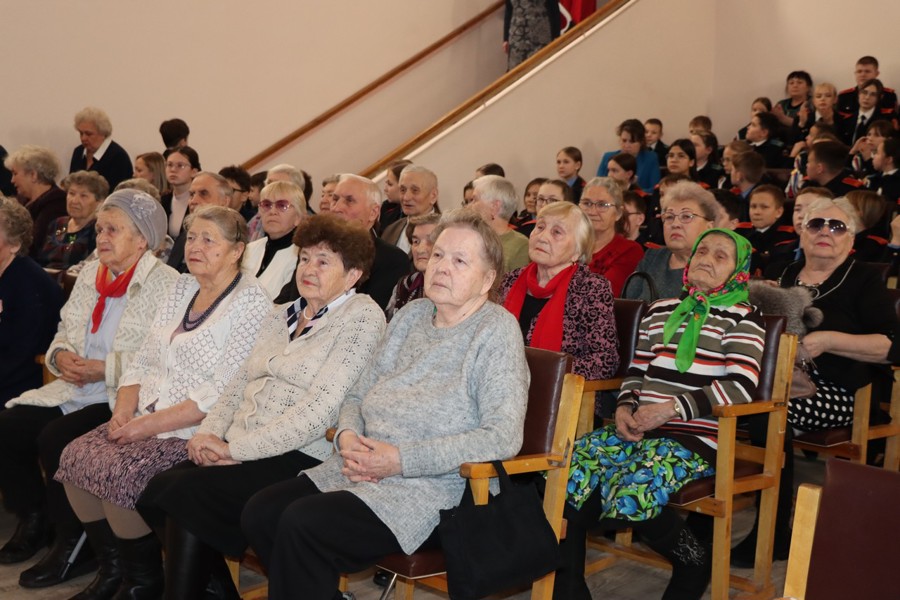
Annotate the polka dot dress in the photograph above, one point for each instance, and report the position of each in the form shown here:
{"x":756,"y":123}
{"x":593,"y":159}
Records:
{"x":832,"y":406}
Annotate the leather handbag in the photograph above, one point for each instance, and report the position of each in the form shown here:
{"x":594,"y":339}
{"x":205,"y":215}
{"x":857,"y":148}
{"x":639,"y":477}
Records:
{"x":802,"y":384}
{"x":503,"y":544}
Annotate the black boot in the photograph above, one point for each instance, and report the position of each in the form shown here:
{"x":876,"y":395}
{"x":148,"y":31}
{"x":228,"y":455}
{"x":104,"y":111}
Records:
{"x":61,"y":562}
{"x":193,"y":569}
{"x":109,"y":574}
{"x":691,"y":558}
{"x":142,"y":572}
{"x":31,"y":535}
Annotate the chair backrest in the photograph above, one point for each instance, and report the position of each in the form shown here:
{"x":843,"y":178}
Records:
{"x":884,"y":269}
{"x":894,"y":295}
{"x":548,"y":370}
{"x":775,"y":325}
{"x":854,"y":551}
{"x":628,"y":315}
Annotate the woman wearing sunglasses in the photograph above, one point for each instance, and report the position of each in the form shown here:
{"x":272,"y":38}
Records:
{"x":272,"y":259}
{"x":849,"y":347}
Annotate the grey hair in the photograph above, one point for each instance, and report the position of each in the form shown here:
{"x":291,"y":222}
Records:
{"x":373,"y":192}
{"x":224,"y":187}
{"x":854,"y":224}
{"x":690,"y":191}
{"x":16,"y":224}
{"x":610,"y":185}
{"x":432,"y":178}
{"x":293,"y":172}
{"x":494,"y":187}
{"x":97,"y":116}
{"x":35,"y":159}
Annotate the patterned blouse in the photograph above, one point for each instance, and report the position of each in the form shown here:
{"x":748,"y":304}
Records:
{"x":63,"y":249}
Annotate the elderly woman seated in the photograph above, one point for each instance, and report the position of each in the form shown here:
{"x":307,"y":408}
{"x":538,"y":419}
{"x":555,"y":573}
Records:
{"x":34,"y":171}
{"x":273,"y":257}
{"x":199,"y":339}
{"x":687,"y":211}
{"x":559,"y":303}
{"x":447,"y":385}
{"x":104,"y":323}
{"x":270,"y":423}
{"x":412,"y":287}
{"x":71,"y":239}
{"x":693,"y":353}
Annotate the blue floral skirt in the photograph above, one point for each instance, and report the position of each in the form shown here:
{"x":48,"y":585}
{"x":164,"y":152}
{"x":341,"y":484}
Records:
{"x":635,"y":478}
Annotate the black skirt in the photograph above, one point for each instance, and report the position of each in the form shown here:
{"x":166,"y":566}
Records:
{"x":208,"y":501}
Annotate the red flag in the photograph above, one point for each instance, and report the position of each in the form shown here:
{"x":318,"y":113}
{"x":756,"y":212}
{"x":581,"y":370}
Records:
{"x":573,"y":12}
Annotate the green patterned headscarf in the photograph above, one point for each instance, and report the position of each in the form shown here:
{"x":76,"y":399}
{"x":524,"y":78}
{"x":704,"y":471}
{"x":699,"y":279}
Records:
{"x":695,"y":307}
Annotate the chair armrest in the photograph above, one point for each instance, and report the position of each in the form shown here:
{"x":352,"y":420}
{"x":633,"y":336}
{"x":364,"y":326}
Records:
{"x":599,"y":385}
{"x":530,"y":463}
{"x":750,"y":408}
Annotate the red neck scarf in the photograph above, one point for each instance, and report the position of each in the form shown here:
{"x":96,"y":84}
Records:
{"x":547,"y":333}
{"x":108,"y":287}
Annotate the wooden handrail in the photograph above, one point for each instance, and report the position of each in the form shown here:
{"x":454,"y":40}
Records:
{"x":502,"y":83}
{"x":371,"y":87}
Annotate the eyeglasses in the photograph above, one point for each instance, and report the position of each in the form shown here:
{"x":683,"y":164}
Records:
{"x":601,"y":206}
{"x":239,"y":190}
{"x":177,"y":166}
{"x":836,"y":226}
{"x":546,"y":199}
{"x":281,"y":205}
{"x":683,"y":217}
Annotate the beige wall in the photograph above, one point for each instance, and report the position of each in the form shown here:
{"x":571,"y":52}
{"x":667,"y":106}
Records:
{"x":242,"y":74}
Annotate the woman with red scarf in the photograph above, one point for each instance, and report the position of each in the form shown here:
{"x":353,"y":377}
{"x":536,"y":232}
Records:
{"x":559,"y":303}
{"x":104,"y":323}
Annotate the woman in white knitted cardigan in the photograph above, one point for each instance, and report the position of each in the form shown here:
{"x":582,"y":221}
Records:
{"x":101,"y":330}
{"x":270,"y":423}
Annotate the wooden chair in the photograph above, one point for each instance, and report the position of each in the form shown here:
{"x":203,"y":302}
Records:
{"x":844,"y":542}
{"x":628,"y":315}
{"x":740,"y":468}
{"x":550,"y":423}
{"x":852,"y":442}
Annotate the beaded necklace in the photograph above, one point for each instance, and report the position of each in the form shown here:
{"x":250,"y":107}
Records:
{"x":189,"y":324}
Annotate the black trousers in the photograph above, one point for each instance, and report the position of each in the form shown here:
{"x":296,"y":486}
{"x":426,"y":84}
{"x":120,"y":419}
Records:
{"x":207,"y":501}
{"x":32,"y":438}
{"x":306,"y":538}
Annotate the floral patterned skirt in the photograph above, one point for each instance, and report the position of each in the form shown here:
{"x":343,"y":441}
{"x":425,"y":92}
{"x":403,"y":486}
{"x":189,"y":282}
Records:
{"x":635,"y":478}
{"x":117,"y":473}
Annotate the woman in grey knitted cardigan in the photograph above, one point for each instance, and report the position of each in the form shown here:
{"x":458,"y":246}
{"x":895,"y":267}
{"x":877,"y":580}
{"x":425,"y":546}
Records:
{"x":448,"y":385}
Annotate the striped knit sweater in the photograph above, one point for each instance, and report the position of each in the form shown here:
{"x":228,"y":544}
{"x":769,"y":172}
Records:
{"x":725,"y":371}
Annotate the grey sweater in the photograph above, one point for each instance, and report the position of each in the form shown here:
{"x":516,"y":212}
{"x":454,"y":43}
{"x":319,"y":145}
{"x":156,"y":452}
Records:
{"x":443,"y":397}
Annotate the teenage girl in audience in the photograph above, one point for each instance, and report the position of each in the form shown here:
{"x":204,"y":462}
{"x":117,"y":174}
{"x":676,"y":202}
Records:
{"x":862,"y":151}
{"x":632,"y":141}
{"x":731,"y":150}
{"x":798,"y":87}
{"x":529,"y":198}
{"x":682,"y":158}
{"x":709,"y":171}
{"x":568,"y":164}
{"x":631,"y":226}
{"x":151,"y":166}
{"x":824,"y":100}
{"x":622,"y":169}
{"x":558,"y":302}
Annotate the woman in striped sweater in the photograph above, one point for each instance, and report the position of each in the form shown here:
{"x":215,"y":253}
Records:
{"x":694,"y":352}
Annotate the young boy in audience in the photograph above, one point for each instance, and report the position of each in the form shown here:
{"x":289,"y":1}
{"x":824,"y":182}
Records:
{"x":770,"y":241}
{"x":827,"y":167}
{"x":762,"y":133}
{"x":747,"y":170}
{"x":731,"y":150}
{"x":820,"y":131}
{"x":729,"y":217}
{"x":886,"y":180}
{"x":653,"y":132}
{"x":700,"y":123}
{"x":866,"y":69}
{"x":759,"y":105}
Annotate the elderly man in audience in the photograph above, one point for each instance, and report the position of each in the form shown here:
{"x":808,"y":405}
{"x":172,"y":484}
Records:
{"x":98,"y":152}
{"x":104,"y":324}
{"x":206,"y":188}
{"x":418,"y":196}
{"x":182,"y":165}
{"x":34,"y":171}
{"x":496,"y":201}
{"x":357,"y":200}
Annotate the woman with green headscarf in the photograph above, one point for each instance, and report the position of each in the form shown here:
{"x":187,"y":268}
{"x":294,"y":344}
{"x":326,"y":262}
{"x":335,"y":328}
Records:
{"x":694,"y":352}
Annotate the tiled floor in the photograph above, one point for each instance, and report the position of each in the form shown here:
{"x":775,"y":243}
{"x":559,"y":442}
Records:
{"x":625,"y":581}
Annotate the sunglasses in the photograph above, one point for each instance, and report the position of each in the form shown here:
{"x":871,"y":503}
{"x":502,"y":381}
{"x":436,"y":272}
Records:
{"x":281,"y":205}
{"x":836,"y":226}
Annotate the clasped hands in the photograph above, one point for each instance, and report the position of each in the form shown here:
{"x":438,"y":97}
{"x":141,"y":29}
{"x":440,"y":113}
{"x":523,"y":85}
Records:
{"x":78,"y":370}
{"x":366,"y":459}
{"x":632,"y":426}
{"x":206,"y":450}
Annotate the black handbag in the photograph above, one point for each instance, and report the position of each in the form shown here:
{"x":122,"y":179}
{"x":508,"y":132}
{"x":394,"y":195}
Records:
{"x":503,"y":544}
{"x":651,"y":285}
